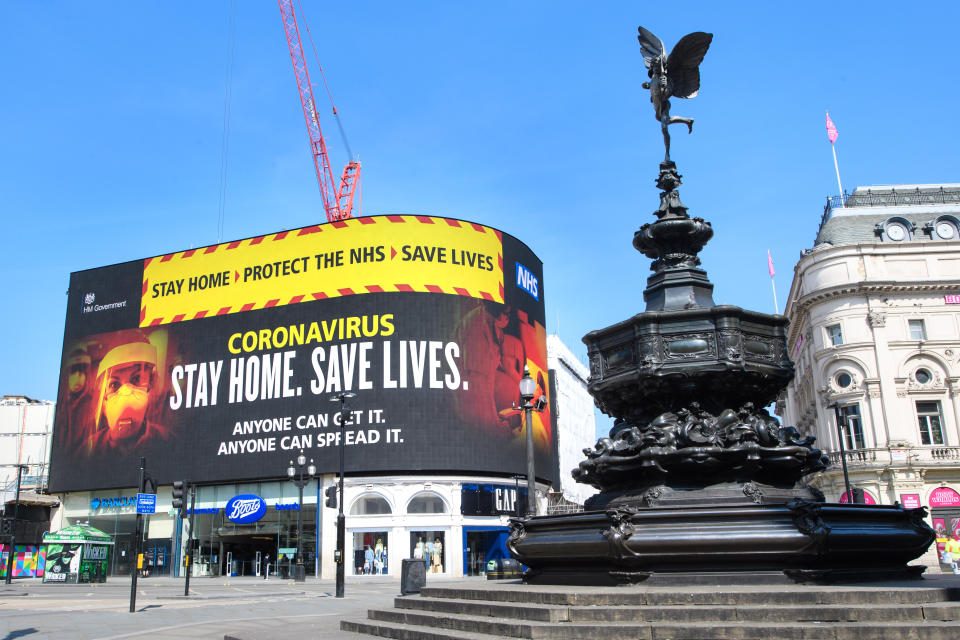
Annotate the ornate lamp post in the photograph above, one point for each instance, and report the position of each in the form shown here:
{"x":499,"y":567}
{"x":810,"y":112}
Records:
{"x":300,"y":476}
{"x":528,"y":387}
{"x":841,"y":423}
{"x":342,"y":398}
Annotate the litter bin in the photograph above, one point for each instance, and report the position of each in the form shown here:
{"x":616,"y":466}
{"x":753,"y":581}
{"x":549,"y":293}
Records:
{"x":413,"y":575}
{"x":504,"y":569}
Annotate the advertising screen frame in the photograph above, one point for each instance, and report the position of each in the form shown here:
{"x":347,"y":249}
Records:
{"x":429,"y":320}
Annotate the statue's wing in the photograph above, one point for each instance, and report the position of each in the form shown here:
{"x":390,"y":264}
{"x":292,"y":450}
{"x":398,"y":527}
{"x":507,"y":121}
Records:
{"x":651,"y":45}
{"x":683,"y":65}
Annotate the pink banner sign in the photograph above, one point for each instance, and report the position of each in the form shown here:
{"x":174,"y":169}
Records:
{"x":944,"y":497}
{"x":867,"y":498}
{"x":952,"y":299}
{"x":910,"y":500}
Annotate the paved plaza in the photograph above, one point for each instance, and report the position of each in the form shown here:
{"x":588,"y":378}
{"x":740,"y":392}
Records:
{"x":251,"y":608}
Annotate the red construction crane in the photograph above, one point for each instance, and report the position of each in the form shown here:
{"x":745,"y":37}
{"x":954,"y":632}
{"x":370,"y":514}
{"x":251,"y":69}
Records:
{"x":337,"y":199}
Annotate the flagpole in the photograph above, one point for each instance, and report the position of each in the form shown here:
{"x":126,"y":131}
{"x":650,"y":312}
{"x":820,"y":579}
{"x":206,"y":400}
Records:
{"x":832,"y":137}
{"x":773,"y":286}
{"x":837,"y":168}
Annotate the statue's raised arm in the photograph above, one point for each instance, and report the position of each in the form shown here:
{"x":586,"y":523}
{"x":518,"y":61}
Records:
{"x":675,"y":75}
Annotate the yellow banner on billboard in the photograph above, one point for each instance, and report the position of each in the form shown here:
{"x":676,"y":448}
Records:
{"x":357,"y":256}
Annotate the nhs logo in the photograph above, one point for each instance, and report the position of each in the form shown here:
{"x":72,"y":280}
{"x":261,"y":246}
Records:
{"x":527,"y":281}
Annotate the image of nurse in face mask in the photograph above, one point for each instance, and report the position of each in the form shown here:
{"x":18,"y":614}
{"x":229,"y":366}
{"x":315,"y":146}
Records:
{"x":127,"y":380}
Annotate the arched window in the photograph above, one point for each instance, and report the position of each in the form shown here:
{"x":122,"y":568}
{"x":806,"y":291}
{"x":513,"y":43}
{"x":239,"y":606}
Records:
{"x":370,"y":505}
{"x":427,"y":503}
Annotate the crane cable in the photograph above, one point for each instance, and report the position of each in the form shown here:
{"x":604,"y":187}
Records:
{"x":336,"y":115}
{"x":225,"y":141}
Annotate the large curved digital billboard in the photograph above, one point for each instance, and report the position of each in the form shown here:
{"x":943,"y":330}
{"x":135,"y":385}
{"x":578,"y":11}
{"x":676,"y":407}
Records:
{"x":219,"y":364}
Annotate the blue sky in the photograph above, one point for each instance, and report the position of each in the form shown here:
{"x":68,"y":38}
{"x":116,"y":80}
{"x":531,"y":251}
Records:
{"x":525,"y":116}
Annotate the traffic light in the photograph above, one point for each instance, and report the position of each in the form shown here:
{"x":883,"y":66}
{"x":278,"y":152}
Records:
{"x":179,"y":501}
{"x":7,"y":527}
{"x":331,"y":493}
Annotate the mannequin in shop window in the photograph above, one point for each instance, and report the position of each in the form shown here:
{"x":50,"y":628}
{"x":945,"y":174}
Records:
{"x":436,"y":559}
{"x":367,"y":560}
{"x":380,"y":556}
{"x":418,"y":550}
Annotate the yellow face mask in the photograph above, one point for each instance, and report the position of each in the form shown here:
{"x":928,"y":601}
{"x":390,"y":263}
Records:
{"x":125,"y":399}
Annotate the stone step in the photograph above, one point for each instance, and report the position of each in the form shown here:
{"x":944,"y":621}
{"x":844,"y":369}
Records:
{"x":687,"y":613}
{"x":555,"y":613}
{"x":540,"y":613}
{"x":406,"y":631}
{"x":410,"y":627}
{"x":629,"y":596}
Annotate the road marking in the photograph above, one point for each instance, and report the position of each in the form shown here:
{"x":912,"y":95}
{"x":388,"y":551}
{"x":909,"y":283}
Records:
{"x":147,"y":632}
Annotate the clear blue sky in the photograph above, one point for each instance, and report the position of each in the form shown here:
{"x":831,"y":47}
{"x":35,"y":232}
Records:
{"x":526,"y":116}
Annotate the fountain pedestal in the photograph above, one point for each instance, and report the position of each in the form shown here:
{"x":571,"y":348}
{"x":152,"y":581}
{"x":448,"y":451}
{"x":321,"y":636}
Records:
{"x":697,"y":481}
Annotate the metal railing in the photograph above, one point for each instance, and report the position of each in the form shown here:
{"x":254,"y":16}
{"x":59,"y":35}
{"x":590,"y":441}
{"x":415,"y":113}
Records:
{"x":891,"y":198}
{"x":898,"y":455}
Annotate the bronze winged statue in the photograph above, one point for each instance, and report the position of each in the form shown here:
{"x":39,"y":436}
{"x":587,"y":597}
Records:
{"x":676,"y":75}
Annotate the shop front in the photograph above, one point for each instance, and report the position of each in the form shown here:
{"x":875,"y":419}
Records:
{"x":227,"y":541}
{"x":944,"y":505}
{"x":240,"y":528}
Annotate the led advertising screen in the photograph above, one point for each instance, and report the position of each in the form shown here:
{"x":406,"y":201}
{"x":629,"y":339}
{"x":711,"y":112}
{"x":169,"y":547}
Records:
{"x":219,"y":364}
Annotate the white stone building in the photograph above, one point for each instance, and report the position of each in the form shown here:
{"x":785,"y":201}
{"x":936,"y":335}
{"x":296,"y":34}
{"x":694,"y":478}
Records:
{"x":25,"y":429}
{"x":574,"y":416}
{"x":875,"y":336}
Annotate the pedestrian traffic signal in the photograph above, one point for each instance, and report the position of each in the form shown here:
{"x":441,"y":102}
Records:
{"x":179,"y":502}
{"x":331,"y":493}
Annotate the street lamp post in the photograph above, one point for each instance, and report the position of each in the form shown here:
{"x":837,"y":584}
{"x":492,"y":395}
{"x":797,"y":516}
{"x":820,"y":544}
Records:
{"x":296,"y":476}
{"x":338,"y":555}
{"x":528,"y":387}
{"x":12,"y":553}
{"x":841,"y":422}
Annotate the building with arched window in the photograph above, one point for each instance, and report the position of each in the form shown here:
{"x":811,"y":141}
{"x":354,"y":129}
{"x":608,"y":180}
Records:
{"x":875,"y":337}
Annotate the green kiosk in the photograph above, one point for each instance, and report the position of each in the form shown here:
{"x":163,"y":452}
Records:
{"x":77,"y":554}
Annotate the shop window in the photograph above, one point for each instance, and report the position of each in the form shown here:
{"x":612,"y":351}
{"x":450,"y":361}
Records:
{"x":930,"y":422}
{"x":835,"y":334}
{"x":371,"y":506}
{"x":370,"y":553}
{"x":917,"y":330}
{"x":428,"y":545}
{"x":852,"y":426}
{"x":427,"y":503}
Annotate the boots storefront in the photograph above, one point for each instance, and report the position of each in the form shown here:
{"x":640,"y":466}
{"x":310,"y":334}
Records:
{"x":455,"y":524}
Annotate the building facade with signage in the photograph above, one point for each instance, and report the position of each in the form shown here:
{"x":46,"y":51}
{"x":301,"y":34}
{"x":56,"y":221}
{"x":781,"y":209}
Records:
{"x":218,"y":366}
{"x":875,"y":335}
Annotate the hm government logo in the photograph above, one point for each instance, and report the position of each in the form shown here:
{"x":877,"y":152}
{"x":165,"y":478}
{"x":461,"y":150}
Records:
{"x":89,"y":307}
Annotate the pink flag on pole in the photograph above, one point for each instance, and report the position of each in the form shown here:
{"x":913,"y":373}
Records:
{"x":832,"y":132}
{"x":770,"y":264}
